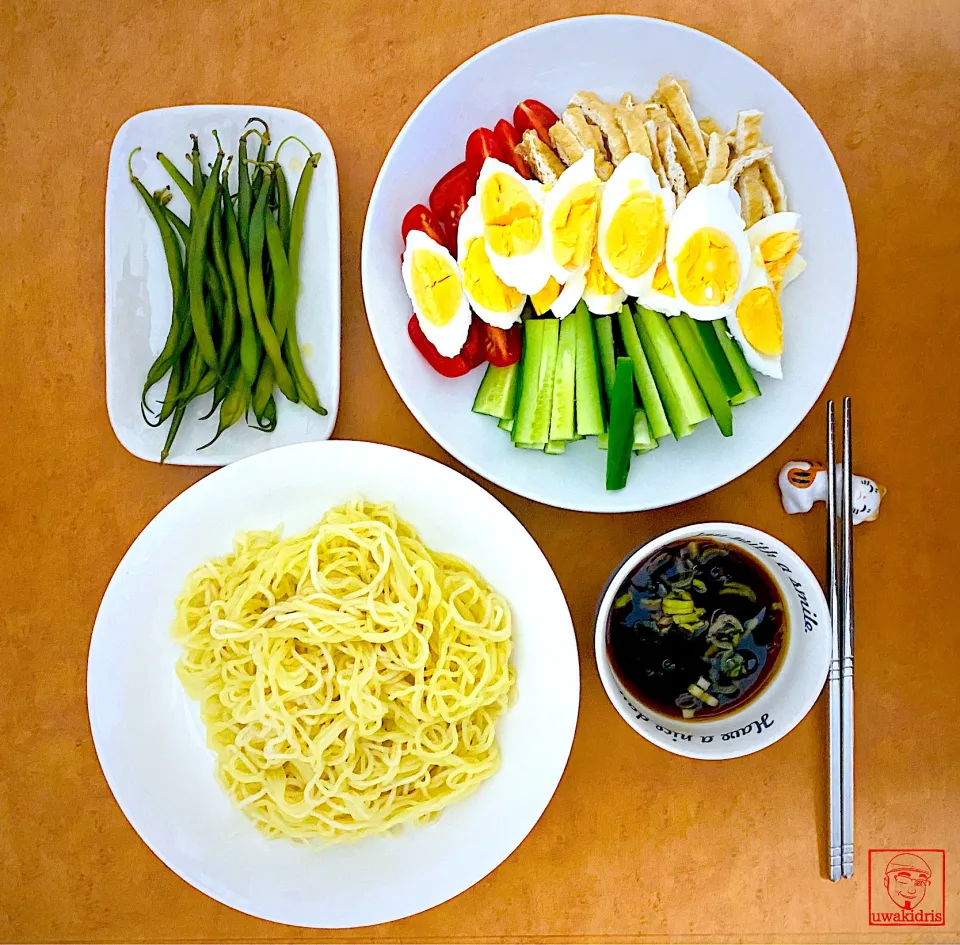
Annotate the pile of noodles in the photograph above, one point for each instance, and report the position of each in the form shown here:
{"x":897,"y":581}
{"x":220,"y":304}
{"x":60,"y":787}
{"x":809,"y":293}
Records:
{"x":350,"y":679}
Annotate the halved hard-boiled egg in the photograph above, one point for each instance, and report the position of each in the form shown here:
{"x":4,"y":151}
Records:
{"x":778,"y":239}
{"x":660,"y":294}
{"x":570,"y":211}
{"x":511,"y":209}
{"x":635,"y":215}
{"x":757,"y":323}
{"x":559,"y":300}
{"x":708,"y":254}
{"x":434,"y":284}
{"x":600,"y":293}
{"x":490,"y":297}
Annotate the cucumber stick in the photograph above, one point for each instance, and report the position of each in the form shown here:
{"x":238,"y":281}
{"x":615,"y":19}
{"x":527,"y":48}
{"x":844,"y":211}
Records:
{"x":711,"y":343}
{"x":608,"y":357}
{"x":507,"y":424}
{"x":703,"y":370}
{"x":563,"y":413}
{"x":496,"y":396}
{"x":738,"y":364}
{"x":643,"y":439}
{"x":681,"y":397}
{"x":543,"y":410}
{"x":649,"y":395}
{"x":555,"y":447}
{"x":622,"y":410}
{"x":590,"y":413}
{"x":529,"y":379}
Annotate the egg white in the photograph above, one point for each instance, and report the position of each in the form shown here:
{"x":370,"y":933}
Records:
{"x":580,"y":172}
{"x":471,"y":227}
{"x":650,"y":298}
{"x":785,"y":221}
{"x":708,"y":205}
{"x":447,"y":339}
{"x":570,"y":294}
{"x":527,"y":273}
{"x":763,"y":363}
{"x":634,"y":168}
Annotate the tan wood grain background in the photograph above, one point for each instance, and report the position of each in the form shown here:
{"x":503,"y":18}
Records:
{"x":637,"y":845}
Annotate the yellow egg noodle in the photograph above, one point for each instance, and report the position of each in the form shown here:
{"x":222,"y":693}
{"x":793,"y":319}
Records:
{"x":350,"y":679}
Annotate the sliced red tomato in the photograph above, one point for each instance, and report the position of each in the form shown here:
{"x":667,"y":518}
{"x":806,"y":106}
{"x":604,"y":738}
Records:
{"x":509,"y":139}
{"x":481,"y":144}
{"x":449,"y":198}
{"x":471,"y":354}
{"x":422,"y":218}
{"x":533,"y":114}
{"x":502,"y":347}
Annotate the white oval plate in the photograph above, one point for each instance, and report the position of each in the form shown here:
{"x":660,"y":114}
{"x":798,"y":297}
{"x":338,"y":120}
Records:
{"x":612,"y":54}
{"x":151,"y":744}
{"x":138,"y":299}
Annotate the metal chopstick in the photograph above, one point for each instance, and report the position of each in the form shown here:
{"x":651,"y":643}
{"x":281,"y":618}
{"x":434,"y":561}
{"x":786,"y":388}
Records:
{"x":834,"y":677}
{"x":846,"y":628}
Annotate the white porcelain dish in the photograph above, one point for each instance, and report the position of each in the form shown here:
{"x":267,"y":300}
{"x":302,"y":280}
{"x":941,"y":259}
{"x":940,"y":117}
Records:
{"x":611,"y":54}
{"x":138,"y":299}
{"x":784,"y":700}
{"x":151,"y":743}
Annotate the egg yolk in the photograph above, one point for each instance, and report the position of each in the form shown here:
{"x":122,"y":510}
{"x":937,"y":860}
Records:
{"x":482,"y":284}
{"x":598,"y":282}
{"x":574,"y":225}
{"x":761,"y":321}
{"x":511,"y":217}
{"x":778,"y":251}
{"x":637,"y":232}
{"x":661,"y":280}
{"x":436,"y":288}
{"x":708,"y":268}
{"x":549,"y":294}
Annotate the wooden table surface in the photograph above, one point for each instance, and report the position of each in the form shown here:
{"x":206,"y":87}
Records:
{"x":637,"y":844}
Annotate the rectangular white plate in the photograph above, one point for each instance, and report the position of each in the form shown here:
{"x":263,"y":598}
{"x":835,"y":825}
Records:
{"x":138,"y":295}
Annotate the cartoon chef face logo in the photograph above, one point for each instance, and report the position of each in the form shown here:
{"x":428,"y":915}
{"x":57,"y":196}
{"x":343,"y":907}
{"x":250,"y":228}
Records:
{"x":906,"y":879}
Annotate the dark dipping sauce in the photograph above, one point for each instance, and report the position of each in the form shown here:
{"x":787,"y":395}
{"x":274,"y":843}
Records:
{"x":697,"y":612}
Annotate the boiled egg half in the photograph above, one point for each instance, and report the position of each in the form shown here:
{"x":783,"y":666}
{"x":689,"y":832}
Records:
{"x":435,"y":287}
{"x":708,"y":254}
{"x":490,"y":297}
{"x":511,"y":209}
{"x":634,"y":218}
{"x":777,"y":237}
{"x":757,"y":323}
{"x":570,"y":210}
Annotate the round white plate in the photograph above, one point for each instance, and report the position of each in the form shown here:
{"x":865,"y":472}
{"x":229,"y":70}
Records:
{"x":610,"y":55}
{"x":150,"y":741}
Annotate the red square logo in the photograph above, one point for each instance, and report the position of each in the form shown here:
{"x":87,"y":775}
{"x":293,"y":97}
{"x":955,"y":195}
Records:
{"x":907,"y":887}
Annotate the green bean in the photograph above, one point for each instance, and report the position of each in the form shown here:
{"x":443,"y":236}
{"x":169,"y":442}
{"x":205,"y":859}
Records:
{"x":243,"y":193}
{"x":222,"y":387}
{"x":258,"y":174}
{"x":196,"y":262}
{"x":263,"y":391}
{"x":171,"y":252}
{"x":192,"y":374}
{"x":283,"y":207}
{"x":172,"y":432}
{"x":298,"y":216}
{"x":183,"y":229}
{"x":307,"y":391}
{"x":169,"y":398}
{"x":199,"y":178}
{"x":258,"y":295}
{"x":249,"y":344}
{"x":283,"y":289}
{"x":186,"y":188}
{"x":228,"y":327}
{"x":233,"y":407}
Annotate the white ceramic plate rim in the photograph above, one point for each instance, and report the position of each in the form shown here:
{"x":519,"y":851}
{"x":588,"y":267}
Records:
{"x":324,"y":364}
{"x":491,"y":472}
{"x":563,"y":710}
{"x":813,"y":680}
